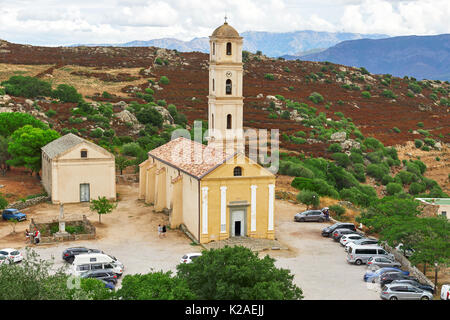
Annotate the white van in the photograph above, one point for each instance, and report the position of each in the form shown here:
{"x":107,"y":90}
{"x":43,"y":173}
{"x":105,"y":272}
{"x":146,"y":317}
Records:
{"x":96,"y":261}
{"x":361,"y":254}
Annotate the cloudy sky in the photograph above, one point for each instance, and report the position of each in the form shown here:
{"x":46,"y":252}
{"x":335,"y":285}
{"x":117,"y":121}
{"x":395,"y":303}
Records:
{"x":63,"y":22}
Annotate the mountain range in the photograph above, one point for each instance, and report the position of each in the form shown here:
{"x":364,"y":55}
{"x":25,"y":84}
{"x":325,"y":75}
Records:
{"x":422,"y":57}
{"x":272,"y":44}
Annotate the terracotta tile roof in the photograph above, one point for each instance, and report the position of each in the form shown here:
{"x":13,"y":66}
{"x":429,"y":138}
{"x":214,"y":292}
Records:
{"x":189,"y":156}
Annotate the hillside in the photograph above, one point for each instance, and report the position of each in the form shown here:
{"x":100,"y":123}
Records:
{"x":422,"y":57}
{"x":272,"y":44}
{"x":125,"y":71}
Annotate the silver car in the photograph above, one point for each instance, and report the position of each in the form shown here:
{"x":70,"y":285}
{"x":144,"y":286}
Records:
{"x":383,"y":262}
{"x":310,"y":215}
{"x":404,"y":292}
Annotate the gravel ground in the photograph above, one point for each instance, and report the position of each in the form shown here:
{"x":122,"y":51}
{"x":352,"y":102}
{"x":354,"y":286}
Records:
{"x":130,"y":234}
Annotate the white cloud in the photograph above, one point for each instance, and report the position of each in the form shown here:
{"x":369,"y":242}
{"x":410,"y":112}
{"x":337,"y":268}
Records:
{"x":55,"y":22}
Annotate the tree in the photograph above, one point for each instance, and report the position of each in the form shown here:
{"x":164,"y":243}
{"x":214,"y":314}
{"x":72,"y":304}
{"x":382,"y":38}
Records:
{"x":3,"y":202}
{"x":4,"y":155}
{"x":11,"y":121}
{"x":154,"y":286}
{"x":28,"y":87}
{"x":122,"y":163}
{"x":67,"y":93}
{"x":309,"y":198}
{"x":25,"y":146}
{"x":237,"y":273}
{"x":102,"y":206}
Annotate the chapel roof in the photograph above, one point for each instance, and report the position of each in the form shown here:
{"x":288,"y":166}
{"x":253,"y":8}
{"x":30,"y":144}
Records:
{"x":60,"y":145}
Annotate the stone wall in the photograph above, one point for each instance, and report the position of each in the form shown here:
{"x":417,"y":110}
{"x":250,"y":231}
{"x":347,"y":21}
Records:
{"x":19,"y":205}
{"x":88,"y":227}
{"x":127,"y":178}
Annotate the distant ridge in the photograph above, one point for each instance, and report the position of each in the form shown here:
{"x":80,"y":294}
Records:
{"x":423,"y":57}
{"x":270,"y":43}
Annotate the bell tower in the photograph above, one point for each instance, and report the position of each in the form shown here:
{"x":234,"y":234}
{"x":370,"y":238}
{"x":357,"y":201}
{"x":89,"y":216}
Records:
{"x":225,"y":99}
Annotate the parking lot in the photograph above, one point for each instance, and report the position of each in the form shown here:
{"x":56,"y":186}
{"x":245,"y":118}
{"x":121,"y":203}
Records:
{"x":130,"y":234}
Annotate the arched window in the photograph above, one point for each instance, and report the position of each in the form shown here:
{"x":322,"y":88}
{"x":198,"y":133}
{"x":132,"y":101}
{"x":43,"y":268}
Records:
{"x":228,"y":87}
{"x":229,"y":121}
{"x":229,"y":49}
{"x":237,"y":172}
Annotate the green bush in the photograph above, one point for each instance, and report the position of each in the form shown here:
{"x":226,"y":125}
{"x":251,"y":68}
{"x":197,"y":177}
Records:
{"x":366,"y":94}
{"x":356,"y":157}
{"x":131,"y":149}
{"x":335,"y":147}
{"x":341,"y":159}
{"x":159,"y":61}
{"x":308,"y":198}
{"x":28,"y":87}
{"x":50,"y":113}
{"x":430,"y":142}
{"x":319,"y":186}
{"x":418,"y":143}
{"x":164,"y":80}
{"x":386,"y":179}
{"x":106,"y":95}
{"x":96,"y":133}
{"x":405,"y":177}
{"x":337,"y":210}
{"x":393,"y":188}
{"x":388,"y":94}
{"x":269,"y":76}
{"x":161,"y":103}
{"x":415,"y":87}
{"x":359,"y":172}
{"x":149,"y":115}
{"x":396,"y":129}
{"x":67,"y":93}
{"x":376,"y":171}
{"x":316,"y":97}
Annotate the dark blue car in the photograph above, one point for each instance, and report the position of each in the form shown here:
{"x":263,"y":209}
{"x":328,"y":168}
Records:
{"x":15,"y":214}
{"x":372,"y":276}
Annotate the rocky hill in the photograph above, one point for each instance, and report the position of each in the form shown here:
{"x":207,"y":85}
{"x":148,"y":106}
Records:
{"x":394,"y":110}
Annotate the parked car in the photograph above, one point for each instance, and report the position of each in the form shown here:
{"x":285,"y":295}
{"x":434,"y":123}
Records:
{"x":445,"y":292}
{"x":310,"y":215}
{"x":383,"y":262}
{"x":12,"y":254}
{"x":361,"y":254}
{"x":361,"y":242}
{"x":105,"y":274}
{"x":415,"y":283}
{"x":96,"y":261}
{"x":373,"y":275}
{"x":70,"y":253}
{"x":388,"y":277}
{"x":188,"y":258}
{"x":15,"y":214}
{"x":4,"y":260}
{"x":328,"y":231}
{"x":338,"y":233}
{"x":346,"y":238}
{"x":404,"y":292}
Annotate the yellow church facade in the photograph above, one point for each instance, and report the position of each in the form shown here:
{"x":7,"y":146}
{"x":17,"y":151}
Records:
{"x":214,"y":190}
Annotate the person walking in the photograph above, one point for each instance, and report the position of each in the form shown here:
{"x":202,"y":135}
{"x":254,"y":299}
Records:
{"x":159,"y":230}
{"x":164,"y":230}
{"x":37,"y":237}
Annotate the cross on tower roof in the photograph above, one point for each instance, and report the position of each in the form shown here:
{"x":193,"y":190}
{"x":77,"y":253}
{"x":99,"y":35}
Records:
{"x":226,"y":18}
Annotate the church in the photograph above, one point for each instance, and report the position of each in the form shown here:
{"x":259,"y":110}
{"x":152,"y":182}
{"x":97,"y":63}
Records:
{"x":215,"y":191}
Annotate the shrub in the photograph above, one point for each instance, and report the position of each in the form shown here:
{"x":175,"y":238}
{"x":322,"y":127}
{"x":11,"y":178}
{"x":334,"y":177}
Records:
{"x":159,"y":61}
{"x":386,"y":179}
{"x":396,"y":129}
{"x":366,"y":94}
{"x":356,"y":157}
{"x":359,"y":172}
{"x":3,"y":202}
{"x":414,"y":87}
{"x":393,"y":188}
{"x":164,"y":80}
{"x":357,"y":196}
{"x":161,"y":103}
{"x":50,"y":113}
{"x":377,"y":171}
{"x":149,"y":115}
{"x":316,"y":97}
{"x":67,"y":93}
{"x":319,"y":186}
{"x":308,"y":198}
{"x":388,"y":94}
{"x":28,"y":87}
{"x":269,"y":76}
{"x":131,"y":149}
{"x":405,"y":177}
{"x":418,"y":143}
{"x":341,"y":159}
{"x":106,"y":95}
{"x":297,"y":140}
{"x":335,"y":147}
{"x":423,"y":132}
{"x":96,"y":133}
{"x":285,"y":115}
{"x":337,"y":210}
{"x":416,"y":188}
{"x":420,"y":124}
{"x":425,"y":148}
{"x":430,"y":142}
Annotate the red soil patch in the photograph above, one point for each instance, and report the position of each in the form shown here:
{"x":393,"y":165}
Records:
{"x":18,"y":184}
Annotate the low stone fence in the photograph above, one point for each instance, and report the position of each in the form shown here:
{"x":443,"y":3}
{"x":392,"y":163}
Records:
{"x":45,"y":229}
{"x":406,"y":264}
{"x":19,"y":205}
{"x":127,"y":178}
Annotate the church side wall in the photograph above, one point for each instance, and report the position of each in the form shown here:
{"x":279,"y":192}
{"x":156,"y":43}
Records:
{"x":190,"y":203}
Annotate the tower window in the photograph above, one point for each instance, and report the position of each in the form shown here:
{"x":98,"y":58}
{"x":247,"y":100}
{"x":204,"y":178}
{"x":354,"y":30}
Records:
{"x":229,"y":49}
{"x":83,"y":154}
{"x":214,"y":48}
{"x":237,"y":172}
{"x":228,"y":87}
{"x":229,"y":121}
{"x":214,"y":87}
{"x":212,"y":121}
